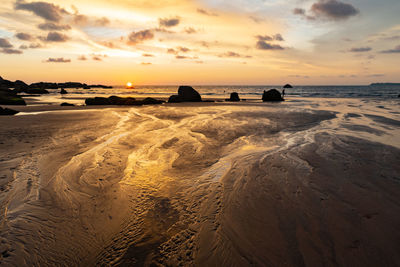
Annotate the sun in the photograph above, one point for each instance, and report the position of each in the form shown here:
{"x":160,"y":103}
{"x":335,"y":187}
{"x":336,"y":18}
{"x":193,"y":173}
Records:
{"x":129,"y":85}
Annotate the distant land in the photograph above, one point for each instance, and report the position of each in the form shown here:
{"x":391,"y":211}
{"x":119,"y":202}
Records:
{"x":385,"y":84}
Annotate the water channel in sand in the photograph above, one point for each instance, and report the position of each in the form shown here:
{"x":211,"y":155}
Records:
{"x":201,"y":184}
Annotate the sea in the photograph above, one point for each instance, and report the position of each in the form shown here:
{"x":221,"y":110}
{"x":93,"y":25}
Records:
{"x":380,"y":91}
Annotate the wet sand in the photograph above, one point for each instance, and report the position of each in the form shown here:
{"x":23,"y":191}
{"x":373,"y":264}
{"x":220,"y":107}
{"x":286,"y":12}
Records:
{"x":308,"y":182}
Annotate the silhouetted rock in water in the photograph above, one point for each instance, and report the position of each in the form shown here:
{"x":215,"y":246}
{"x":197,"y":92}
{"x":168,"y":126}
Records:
{"x":97,"y":101}
{"x":98,"y":86}
{"x":44,"y":85}
{"x":151,"y":101}
{"x":122,"y":101}
{"x":6,"y":83}
{"x":20,"y":86}
{"x":65,"y":104}
{"x":287,"y":86}
{"x":398,"y":96}
{"x":7,"y":111}
{"x":272,"y":95}
{"x":9,"y":97}
{"x":234,"y":97}
{"x":174,"y":99}
{"x":185,"y":94}
{"x":36,"y":91}
{"x":63,"y":91}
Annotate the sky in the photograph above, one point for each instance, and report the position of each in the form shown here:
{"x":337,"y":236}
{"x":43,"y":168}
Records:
{"x":202,"y":42}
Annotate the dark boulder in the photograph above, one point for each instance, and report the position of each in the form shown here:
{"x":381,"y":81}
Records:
{"x":272,"y":95}
{"x":20,"y":86}
{"x":97,"y":101}
{"x":65,"y":104}
{"x":8,"y":97}
{"x":151,"y":101}
{"x":185,"y":94}
{"x":44,"y":85}
{"x":234,"y":97}
{"x":287,"y":86}
{"x":174,"y":99}
{"x":188,"y":94}
{"x":7,"y":111}
{"x":63,"y":91}
{"x":36,"y":91}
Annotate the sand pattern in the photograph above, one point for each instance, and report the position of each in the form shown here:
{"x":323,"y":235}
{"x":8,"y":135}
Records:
{"x":303,"y":183}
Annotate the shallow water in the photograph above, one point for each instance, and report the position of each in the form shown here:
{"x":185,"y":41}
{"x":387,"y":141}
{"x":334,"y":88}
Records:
{"x":191,"y":184}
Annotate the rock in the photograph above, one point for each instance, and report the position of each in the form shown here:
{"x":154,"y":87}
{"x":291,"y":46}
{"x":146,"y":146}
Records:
{"x":97,"y":86}
{"x":20,"y":86}
{"x":36,"y":91}
{"x":43,"y":85}
{"x":8,"y":97}
{"x":287,"y":86}
{"x":63,"y":91}
{"x":185,"y":94}
{"x":116,"y":100}
{"x":97,"y":101}
{"x":174,"y":99}
{"x":122,"y":101}
{"x":151,"y":101}
{"x":65,"y":104}
{"x":7,"y":111}
{"x":272,"y":95}
{"x":234,"y":97}
{"x":188,"y":94}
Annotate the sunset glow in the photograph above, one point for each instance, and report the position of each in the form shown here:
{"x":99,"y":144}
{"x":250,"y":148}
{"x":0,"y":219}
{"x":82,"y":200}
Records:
{"x":201,"y":42}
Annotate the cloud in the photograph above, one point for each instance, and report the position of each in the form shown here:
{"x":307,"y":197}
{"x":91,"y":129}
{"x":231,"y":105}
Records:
{"x":328,"y":9}
{"x":171,"y":22}
{"x":206,"y":12}
{"x":102,"y":21}
{"x":82,"y":58}
{"x":32,"y":46}
{"x":58,"y":60}
{"x":392,"y":51}
{"x":234,"y":54}
{"x":145,"y":63}
{"x":376,"y":75}
{"x":183,"y":49}
{"x":55,"y":37}
{"x":299,"y":11}
{"x":147,"y":55}
{"x":140,"y":36}
{"x":181,"y":57}
{"x":35,"y":45}
{"x":10,"y":51}
{"x":256,"y":19}
{"x":360,"y":49}
{"x":50,"y":26}
{"x":263,"y":45}
{"x":24,"y":36}
{"x":4,"y":43}
{"x":45,"y":10}
{"x":190,"y":30}
{"x":263,"y":42}
{"x":108,"y":44}
{"x":276,"y":37}
{"x":333,"y":9}
{"x":80,"y":19}
{"x":171,"y":51}
{"x":177,"y":50}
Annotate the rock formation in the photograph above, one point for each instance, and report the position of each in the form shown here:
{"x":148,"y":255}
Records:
{"x":272,"y":95}
{"x":185,"y":94}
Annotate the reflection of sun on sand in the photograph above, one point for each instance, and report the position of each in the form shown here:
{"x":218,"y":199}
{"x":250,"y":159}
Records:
{"x":129,"y":85}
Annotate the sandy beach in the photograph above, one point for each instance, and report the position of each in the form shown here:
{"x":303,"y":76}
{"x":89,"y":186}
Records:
{"x":305,"y":182}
